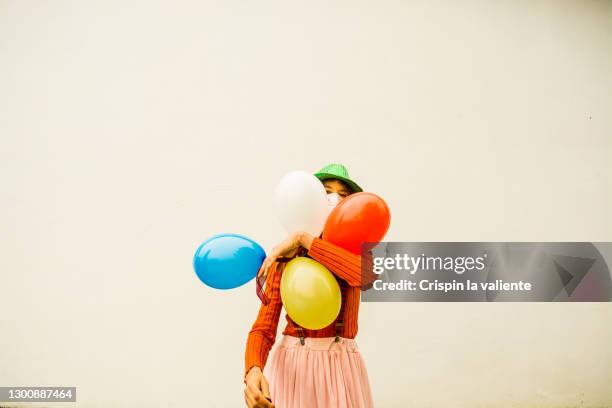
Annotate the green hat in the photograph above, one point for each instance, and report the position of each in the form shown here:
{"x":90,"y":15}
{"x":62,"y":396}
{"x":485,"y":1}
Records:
{"x":337,"y":171}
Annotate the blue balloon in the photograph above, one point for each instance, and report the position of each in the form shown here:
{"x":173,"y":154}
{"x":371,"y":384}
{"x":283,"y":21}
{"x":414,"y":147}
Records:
{"x":227,"y":261}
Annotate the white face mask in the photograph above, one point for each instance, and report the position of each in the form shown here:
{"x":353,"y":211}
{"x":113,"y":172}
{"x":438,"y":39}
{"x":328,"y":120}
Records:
{"x":333,"y":199}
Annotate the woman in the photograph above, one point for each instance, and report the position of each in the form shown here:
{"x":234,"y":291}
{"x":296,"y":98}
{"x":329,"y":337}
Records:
{"x":309,"y":368}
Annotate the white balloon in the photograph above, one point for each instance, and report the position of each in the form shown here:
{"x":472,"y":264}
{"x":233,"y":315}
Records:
{"x":300,"y":203}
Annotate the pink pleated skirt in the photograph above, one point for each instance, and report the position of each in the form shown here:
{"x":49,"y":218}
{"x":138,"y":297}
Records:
{"x":321,"y":373}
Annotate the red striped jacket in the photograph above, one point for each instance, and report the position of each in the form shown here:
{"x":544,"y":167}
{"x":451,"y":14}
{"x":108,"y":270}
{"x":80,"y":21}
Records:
{"x":345,"y":265}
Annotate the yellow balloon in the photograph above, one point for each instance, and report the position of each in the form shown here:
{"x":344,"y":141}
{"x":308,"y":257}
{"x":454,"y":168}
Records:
{"x":310,"y":293}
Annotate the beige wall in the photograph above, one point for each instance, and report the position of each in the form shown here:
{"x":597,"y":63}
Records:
{"x":133,"y":130}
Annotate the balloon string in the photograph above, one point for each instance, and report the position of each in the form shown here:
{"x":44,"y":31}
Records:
{"x":259,"y":283}
{"x":280,"y":265}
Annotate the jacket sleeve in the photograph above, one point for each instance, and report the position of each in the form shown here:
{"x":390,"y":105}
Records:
{"x":263,"y":332}
{"x":343,"y":263}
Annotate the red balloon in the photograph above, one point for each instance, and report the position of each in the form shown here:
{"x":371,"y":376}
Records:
{"x":361,"y":217}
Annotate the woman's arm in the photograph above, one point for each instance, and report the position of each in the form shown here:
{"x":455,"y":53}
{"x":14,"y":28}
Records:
{"x":263,"y":332}
{"x":260,"y":341}
{"x":339,"y":261}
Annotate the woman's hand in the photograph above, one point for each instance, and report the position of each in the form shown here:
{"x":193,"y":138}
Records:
{"x":257,"y":392}
{"x":288,"y":248}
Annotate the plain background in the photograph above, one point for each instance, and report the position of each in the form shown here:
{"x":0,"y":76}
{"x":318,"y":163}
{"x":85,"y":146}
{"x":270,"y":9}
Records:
{"x":133,"y":130}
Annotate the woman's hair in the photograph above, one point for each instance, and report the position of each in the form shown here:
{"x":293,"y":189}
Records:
{"x":348,"y":188}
